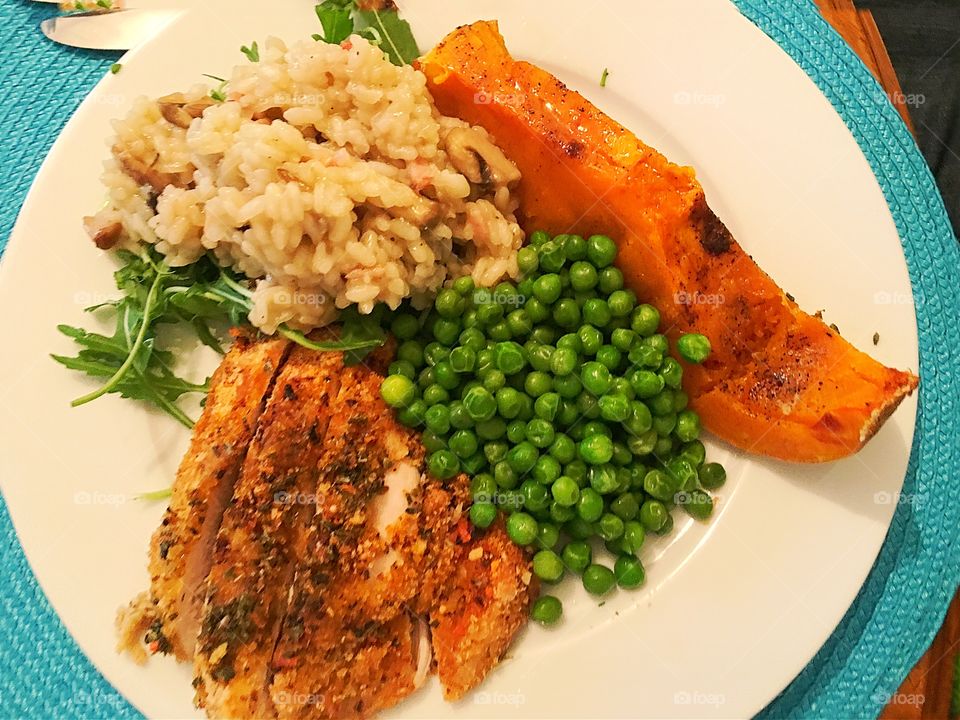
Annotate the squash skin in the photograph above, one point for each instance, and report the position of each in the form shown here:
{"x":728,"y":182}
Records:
{"x":779,"y":381}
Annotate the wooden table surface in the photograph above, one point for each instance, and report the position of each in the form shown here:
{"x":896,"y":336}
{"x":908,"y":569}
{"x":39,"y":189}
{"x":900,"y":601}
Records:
{"x":926,"y":692}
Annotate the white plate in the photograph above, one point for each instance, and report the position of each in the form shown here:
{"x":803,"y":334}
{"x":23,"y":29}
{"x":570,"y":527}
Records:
{"x":732,"y":610}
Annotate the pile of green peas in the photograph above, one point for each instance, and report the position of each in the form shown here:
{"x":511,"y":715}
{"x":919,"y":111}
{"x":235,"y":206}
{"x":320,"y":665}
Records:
{"x":559,"y":398}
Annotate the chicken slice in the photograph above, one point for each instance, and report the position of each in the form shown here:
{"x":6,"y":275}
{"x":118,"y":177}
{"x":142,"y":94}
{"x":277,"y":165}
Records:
{"x":486,"y":603}
{"x":253,"y":558}
{"x":180,"y":551}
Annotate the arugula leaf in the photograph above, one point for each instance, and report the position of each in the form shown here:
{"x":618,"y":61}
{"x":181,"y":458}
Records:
{"x":252,"y":52}
{"x":388,"y":30}
{"x":335,"y":18}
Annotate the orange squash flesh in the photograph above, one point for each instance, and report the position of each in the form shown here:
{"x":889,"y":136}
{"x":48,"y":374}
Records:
{"x":779,"y":382}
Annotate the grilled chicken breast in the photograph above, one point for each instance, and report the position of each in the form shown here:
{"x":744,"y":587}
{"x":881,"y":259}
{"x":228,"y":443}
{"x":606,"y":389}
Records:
{"x":180,"y":552}
{"x":252,"y":567}
{"x":336,"y":554}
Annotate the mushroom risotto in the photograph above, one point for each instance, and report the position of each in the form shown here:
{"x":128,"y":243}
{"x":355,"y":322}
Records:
{"x":322,"y":171}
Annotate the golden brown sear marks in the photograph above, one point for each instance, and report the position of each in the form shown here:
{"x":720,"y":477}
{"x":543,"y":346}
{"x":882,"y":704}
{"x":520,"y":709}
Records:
{"x":254,"y":554}
{"x":180,"y":551}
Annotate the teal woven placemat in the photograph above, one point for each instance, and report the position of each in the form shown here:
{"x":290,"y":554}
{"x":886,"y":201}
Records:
{"x":44,"y":675}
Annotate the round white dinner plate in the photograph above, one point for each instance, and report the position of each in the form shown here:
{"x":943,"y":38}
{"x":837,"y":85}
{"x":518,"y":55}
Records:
{"x":732,"y":610}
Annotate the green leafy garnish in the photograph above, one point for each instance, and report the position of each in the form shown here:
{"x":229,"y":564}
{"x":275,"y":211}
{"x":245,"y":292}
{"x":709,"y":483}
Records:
{"x":603,"y":77}
{"x":155,"y":495}
{"x":115,"y":68}
{"x":382,"y":27}
{"x":252,"y":52}
{"x":202,"y":296}
{"x":218,"y":93}
{"x":105,"y":4}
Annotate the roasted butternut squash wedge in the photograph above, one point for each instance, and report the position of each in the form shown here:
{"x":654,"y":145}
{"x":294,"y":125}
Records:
{"x":779,"y":381}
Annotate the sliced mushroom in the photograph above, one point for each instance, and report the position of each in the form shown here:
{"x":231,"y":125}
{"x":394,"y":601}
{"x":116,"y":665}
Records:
{"x":104,"y":235}
{"x":143,"y":174}
{"x":178,"y":110}
{"x":422,"y":213}
{"x":478,"y":159}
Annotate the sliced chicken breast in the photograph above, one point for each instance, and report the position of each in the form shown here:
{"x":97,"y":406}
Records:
{"x":180,"y":551}
{"x":254,"y":554}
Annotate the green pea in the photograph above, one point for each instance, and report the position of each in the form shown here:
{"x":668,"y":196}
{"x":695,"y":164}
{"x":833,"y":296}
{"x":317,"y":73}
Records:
{"x":698,"y":504}
{"x":589,"y":505}
{"x":645,"y":356}
{"x":548,"y":566}
{"x":464,"y":443}
{"x":546,"y":406}
{"x":547,"y":289}
{"x":549,"y":535}
{"x":402,"y":367}
{"x":435,"y":352}
{"x":587,"y":405}
{"x":437,"y":418}
{"x":695,"y":452}
{"x":609,"y":357}
{"x":663,"y":447}
{"x":544,"y":334}
{"x":570,"y":341}
{"x":621,"y":303}
{"x":680,"y":400}
{"x":659,"y":485}
{"x":603,"y":479}
{"x":665,"y":424}
{"x":596,"y":312}
{"x":483,"y":487}
{"x":629,"y":572}
{"x":540,"y":433}
{"x":489,"y":314}
{"x":413,"y":414}
{"x":459,"y":417}
{"x":493,"y":380}
{"x":577,"y":555}
{"x":625,"y":507}
{"x":633,"y":536}
{"x":598,"y":580}
{"x":644,"y":443}
{"x":492,"y":429}
{"x":535,"y":496}
{"x":479,"y":404}
{"x":500,"y":331}
{"x":485,"y":359}
{"x":505,"y":475}
{"x":546,"y":610}
{"x":609,"y":526}
{"x":567,"y":386}
{"x":596,"y":449}
{"x":694,"y":347}
{"x":547,"y":470}
{"x":482,"y":514}
{"x":509,"y":357}
{"x":688,"y":426}
{"x":523,"y":457}
{"x":464,"y":286}
{"x":591,"y":339}
{"x":398,"y":391}
{"x":449,"y":305}
{"x":526,"y":407}
{"x":538,"y":238}
{"x":539,"y":357}
{"x":563,"y":361}
{"x":445,"y":376}
{"x":621,"y":386}
{"x":574,"y":247}
{"x":470,"y":320}
{"x":653,"y":515}
{"x":712,"y":476}
{"x":578,"y":529}
{"x":566,"y":313}
{"x":552,"y":256}
{"x":412,"y":352}
{"x":472,"y":339}
{"x":462,"y":359}
{"x":610,"y":280}
{"x":522,"y":528}
{"x":404,"y":326}
{"x":562,"y":449}
{"x":432,"y":442}
{"x":565,"y":491}
{"x":473,"y":464}
{"x":601,"y":250}
{"x":576,"y":469}
{"x":517,"y":431}
{"x":646,"y":383}
{"x":672,"y":372}
{"x":583,"y":276}
{"x":495,"y":451}
{"x":508,"y":402}
{"x":667,"y":527}
{"x":561,"y":513}
{"x":622,"y":339}
{"x":443,"y":464}
{"x":614,"y":408}
{"x":537,"y":383}
{"x":568,"y":413}
{"x":596,"y":378}
{"x":447,"y":331}
{"x":527,"y":260}
{"x":536,"y":311}
{"x":645,"y":320}
{"x":661,"y":403}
